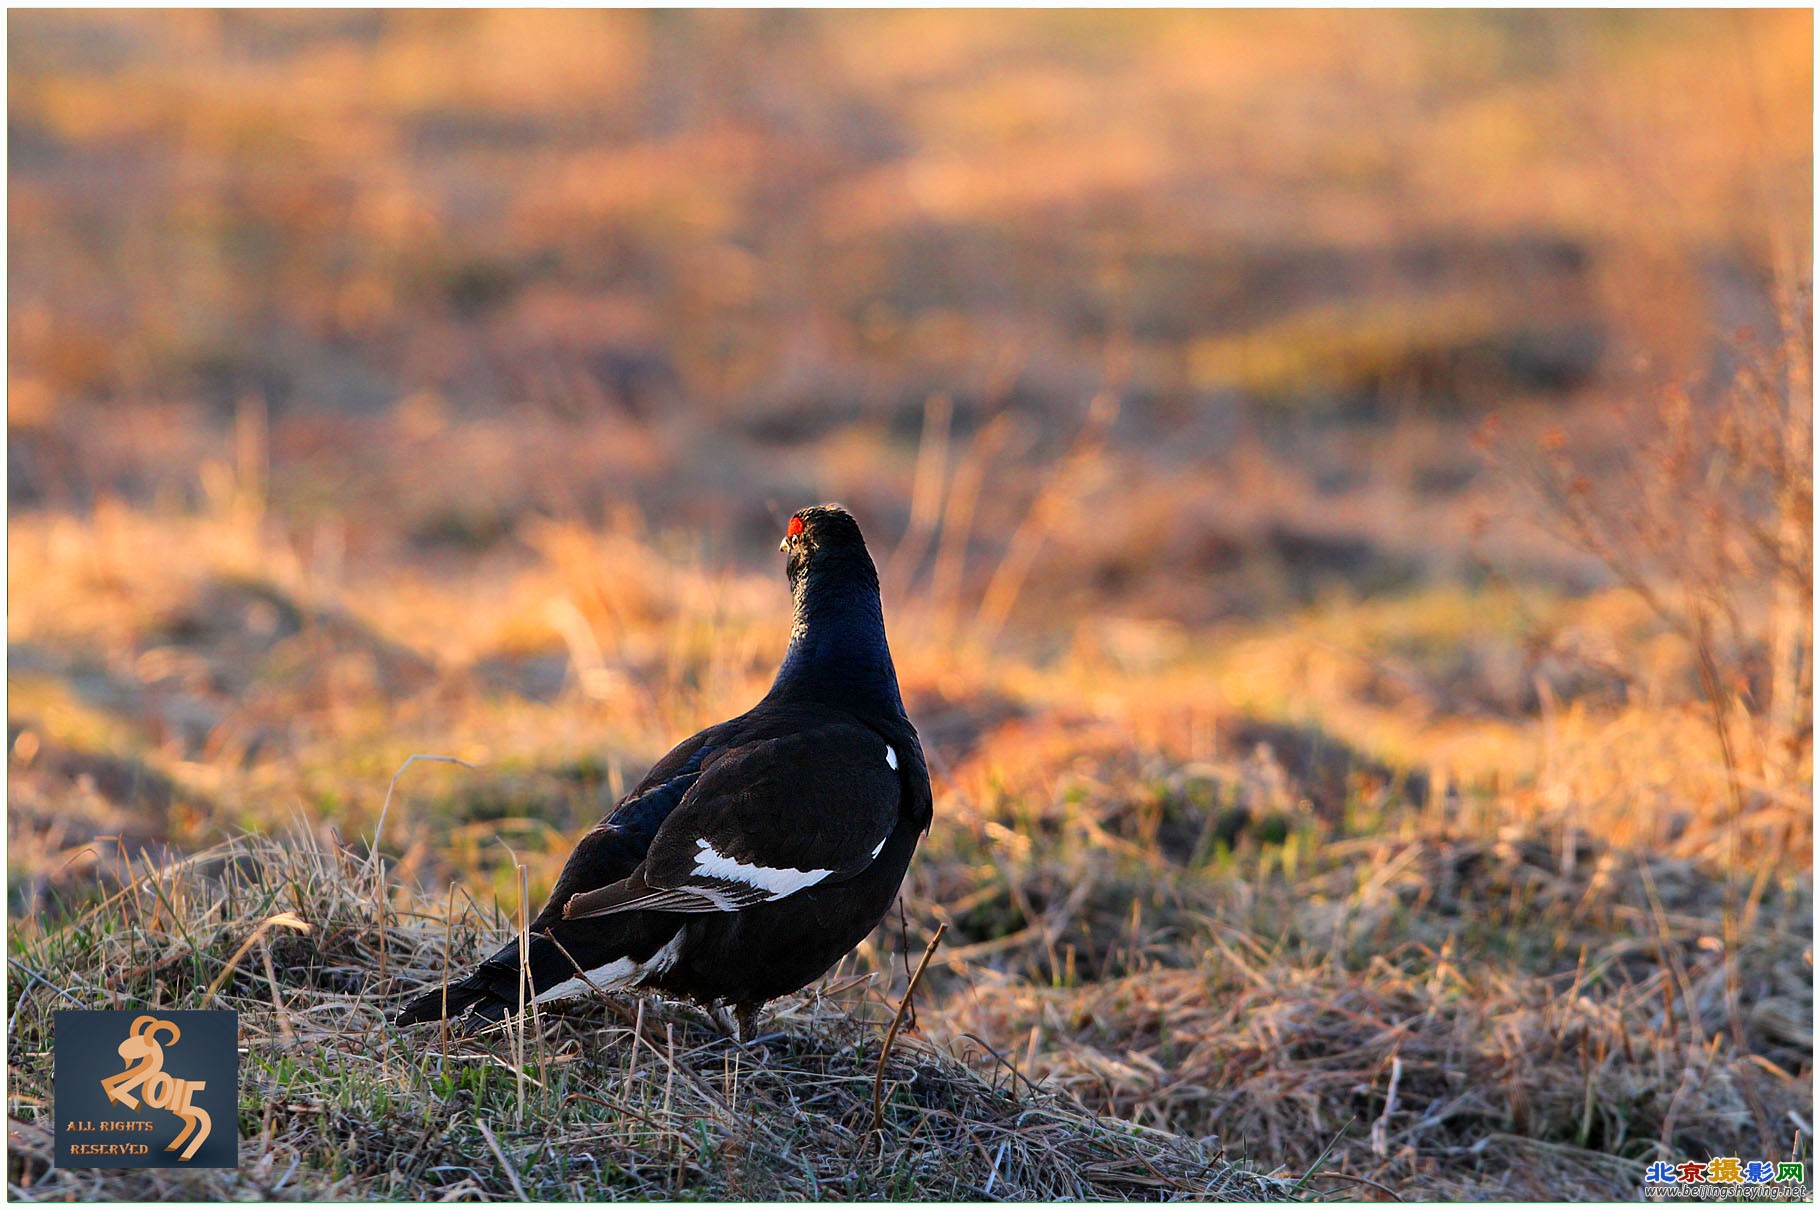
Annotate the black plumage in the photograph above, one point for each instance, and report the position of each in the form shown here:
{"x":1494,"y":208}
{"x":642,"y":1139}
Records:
{"x":759,"y":851}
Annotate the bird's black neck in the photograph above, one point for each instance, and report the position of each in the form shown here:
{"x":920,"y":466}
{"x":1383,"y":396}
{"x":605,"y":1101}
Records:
{"x":837,"y":647}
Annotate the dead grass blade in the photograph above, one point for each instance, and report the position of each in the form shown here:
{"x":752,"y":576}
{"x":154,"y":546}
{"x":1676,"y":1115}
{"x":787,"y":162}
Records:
{"x":897,"y":1021}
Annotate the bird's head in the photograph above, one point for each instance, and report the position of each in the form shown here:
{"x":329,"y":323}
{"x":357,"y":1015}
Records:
{"x":837,"y":647}
{"x":820,"y":536}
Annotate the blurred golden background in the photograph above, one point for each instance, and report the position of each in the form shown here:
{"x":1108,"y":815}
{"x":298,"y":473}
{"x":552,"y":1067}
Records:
{"x":1342,"y":482}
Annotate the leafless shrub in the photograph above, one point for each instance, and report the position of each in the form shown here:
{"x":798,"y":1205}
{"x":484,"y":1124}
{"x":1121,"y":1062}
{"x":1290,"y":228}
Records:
{"x":1707,"y":516}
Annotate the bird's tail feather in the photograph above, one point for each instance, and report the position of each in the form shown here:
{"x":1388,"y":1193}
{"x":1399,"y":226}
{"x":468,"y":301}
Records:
{"x":492,"y":992}
{"x":451,"y":1002}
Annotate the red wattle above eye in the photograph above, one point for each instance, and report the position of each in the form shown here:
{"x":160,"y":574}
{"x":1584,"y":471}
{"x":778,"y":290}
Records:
{"x":796,"y":527}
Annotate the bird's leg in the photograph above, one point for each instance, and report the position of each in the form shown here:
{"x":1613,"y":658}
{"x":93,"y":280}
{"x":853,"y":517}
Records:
{"x":745,"y":1021}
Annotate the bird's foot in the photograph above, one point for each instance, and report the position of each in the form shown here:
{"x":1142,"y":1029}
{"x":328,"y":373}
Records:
{"x":745,"y":1023}
{"x":738,"y":1021}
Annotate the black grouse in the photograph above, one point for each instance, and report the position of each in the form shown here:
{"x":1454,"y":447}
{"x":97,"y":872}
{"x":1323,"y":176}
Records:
{"x":759,"y":851}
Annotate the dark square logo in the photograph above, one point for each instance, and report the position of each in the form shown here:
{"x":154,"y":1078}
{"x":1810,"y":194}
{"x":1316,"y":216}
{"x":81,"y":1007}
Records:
{"x":147,"y":1089}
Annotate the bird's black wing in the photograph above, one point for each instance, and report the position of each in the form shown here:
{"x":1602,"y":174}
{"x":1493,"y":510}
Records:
{"x":764,"y":820}
{"x":615,"y":847}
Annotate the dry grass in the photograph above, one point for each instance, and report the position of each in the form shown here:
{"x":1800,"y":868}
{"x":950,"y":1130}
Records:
{"x":1449,"y":1010}
{"x":623,"y":1101}
{"x":1201,"y":920}
{"x":1196,"y":917}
